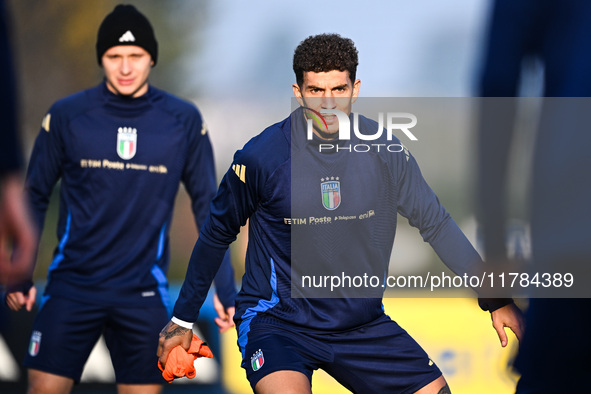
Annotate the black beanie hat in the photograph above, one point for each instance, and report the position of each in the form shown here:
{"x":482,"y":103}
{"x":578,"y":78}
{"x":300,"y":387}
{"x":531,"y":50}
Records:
{"x":126,"y":26}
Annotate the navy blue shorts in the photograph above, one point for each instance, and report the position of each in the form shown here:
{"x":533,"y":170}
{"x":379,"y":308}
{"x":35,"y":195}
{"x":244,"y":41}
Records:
{"x":65,"y":332}
{"x":379,"y":357}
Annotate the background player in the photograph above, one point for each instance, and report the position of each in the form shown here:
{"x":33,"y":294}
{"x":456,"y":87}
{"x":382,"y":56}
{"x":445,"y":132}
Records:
{"x":15,"y":223}
{"x":284,"y":339}
{"x":121,"y":149}
{"x":557,"y":36}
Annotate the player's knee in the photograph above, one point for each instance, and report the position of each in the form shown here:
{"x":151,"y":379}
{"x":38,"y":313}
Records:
{"x":46,"y":383}
{"x":445,"y":390}
{"x":284,"y":382}
{"x":438,"y":386}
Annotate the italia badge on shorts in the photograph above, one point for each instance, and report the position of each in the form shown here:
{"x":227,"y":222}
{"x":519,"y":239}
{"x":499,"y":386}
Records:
{"x":126,"y":142}
{"x":331,"y":192}
{"x":257,"y":360}
{"x":35,"y":343}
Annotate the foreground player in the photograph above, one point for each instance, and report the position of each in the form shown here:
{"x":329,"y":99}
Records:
{"x":284,"y":339}
{"x":121,"y":149}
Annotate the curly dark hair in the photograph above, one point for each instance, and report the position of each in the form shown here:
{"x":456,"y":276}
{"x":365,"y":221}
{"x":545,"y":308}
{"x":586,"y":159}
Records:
{"x":323,"y":53}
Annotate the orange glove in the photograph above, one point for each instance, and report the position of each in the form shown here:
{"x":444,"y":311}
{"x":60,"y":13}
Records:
{"x":180,"y":361}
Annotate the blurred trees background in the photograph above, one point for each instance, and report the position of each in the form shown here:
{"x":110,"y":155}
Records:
{"x":54,"y":43}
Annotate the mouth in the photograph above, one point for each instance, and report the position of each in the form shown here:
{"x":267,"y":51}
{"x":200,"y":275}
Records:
{"x":125,"y":82}
{"x":329,"y":118}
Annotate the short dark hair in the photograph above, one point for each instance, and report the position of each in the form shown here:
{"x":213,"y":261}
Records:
{"x":324,"y":53}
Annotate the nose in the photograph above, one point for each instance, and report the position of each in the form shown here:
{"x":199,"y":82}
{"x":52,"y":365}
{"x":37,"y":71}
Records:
{"x":328,"y":100}
{"x":125,"y":66}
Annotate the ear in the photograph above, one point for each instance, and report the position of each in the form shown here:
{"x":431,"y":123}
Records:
{"x":356,"y":86}
{"x":298,"y":94}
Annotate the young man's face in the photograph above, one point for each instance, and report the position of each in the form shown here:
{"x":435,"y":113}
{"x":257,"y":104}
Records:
{"x":127,"y":68}
{"x":327,"y":90}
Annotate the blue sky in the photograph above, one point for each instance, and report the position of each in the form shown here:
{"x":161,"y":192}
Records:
{"x":407,"y":48}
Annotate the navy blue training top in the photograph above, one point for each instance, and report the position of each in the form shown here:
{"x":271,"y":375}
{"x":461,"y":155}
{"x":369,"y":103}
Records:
{"x":276,"y":181}
{"x":120,"y":161}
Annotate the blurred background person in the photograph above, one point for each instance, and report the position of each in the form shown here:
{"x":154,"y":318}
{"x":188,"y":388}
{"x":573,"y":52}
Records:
{"x":554,"y":38}
{"x":16,"y":228}
{"x":121,"y":149}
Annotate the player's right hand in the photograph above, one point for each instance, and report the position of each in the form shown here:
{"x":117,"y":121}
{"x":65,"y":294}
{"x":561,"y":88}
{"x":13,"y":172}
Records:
{"x":172,"y":335}
{"x":16,"y":300}
{"x":181,"y":362}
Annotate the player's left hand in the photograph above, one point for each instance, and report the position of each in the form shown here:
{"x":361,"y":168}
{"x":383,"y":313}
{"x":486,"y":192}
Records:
{"x":17,"y":300}
{"x":508,"y":316}
{"x":225,"y":319}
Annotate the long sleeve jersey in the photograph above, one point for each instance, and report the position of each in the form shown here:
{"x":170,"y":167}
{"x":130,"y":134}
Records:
{"x":279,"y":182}
{"x":120,"y":161}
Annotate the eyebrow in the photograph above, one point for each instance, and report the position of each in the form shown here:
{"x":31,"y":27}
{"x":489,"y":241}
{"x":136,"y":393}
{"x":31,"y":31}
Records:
{"x":343,"y":86}
{"x":127,"y":54}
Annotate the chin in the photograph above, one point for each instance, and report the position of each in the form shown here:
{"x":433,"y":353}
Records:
{"x":126,"y":91}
